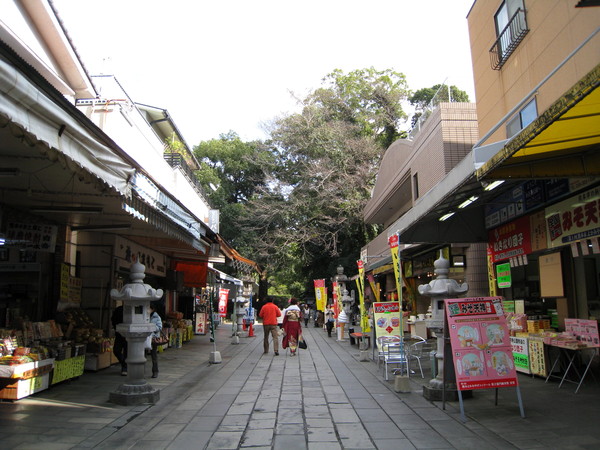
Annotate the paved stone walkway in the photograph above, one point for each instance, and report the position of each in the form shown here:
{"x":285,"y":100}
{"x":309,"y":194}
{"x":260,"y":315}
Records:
{"x":323,"y":399}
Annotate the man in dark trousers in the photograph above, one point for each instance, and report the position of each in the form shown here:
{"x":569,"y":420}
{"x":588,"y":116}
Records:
{"x":120,"y":347}
{"x":269,"y":314}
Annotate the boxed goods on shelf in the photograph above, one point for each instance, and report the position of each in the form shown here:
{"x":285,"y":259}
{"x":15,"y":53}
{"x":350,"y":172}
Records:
{"x":98,"y":361}
{"x":19,"y":388}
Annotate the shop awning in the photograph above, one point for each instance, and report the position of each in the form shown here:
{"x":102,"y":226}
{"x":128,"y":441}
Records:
{"x":242,"y":264}
{"x":194,"y":273}
{"x":562,"y":142}
{"x":51,"y":131}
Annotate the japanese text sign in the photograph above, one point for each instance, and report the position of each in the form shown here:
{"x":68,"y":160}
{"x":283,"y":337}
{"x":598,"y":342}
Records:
{"x":574,"y":219}
{"x":481,"y":347}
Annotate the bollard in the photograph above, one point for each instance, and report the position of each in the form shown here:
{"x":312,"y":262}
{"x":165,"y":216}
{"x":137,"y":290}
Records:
{"x":432,"y":355}
{"x":402,"y":383}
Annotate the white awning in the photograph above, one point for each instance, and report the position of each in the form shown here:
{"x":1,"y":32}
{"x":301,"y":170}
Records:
{"x":36,"y":118}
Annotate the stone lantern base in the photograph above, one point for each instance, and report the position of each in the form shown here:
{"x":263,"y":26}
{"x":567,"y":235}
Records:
{"x":134,"y":394}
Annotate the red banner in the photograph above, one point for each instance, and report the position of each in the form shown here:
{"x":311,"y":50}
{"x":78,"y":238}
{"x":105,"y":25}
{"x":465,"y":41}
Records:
{"x":223,"y":297}
{"x":511,"y":239}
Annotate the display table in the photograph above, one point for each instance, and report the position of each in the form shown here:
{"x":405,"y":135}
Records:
{"x":98,"y":361}
{"x":21,"y":380}
{"x":67,"y":369}
{"x":567,"y":356}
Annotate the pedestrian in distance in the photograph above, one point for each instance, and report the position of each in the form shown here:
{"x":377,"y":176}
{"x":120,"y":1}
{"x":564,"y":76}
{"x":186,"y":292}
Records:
{"x":120,"y":344}
{"x":330,"y":320}
{"x":156,"y":320}
{"x":269,"y":314}
{"x":291,"y":327}
{"x":306,"y":315}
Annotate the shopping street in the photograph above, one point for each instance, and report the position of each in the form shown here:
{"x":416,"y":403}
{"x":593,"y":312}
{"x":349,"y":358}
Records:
{"x":324,"y":399}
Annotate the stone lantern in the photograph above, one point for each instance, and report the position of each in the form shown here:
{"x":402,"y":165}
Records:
{"x":344,"y":315}
{"x":237,"y":318}
{"x":136,"y":297}
{"x":439,"y":289}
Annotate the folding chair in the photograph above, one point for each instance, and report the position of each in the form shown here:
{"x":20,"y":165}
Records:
{"x":381,"y":344}
{"x":416,"y":351}
{"x":395,"y":354}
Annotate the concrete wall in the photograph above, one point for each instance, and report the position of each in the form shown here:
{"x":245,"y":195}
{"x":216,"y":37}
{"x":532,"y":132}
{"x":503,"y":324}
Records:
{"x":556,"y":28}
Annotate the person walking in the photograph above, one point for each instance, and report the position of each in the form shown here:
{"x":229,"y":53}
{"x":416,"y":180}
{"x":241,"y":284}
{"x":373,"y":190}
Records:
{"x":269,"y":314}
{"x":330,"y":319}
{"x":120,"y":344}
{"x":306,"y":314}
{"x":292,"y":327}
{"x":156,"y":320}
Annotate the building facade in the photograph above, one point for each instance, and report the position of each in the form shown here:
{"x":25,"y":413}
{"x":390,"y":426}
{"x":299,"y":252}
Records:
{"x":411,"y":168}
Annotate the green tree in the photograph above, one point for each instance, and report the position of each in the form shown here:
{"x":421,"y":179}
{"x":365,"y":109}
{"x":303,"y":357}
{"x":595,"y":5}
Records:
{"x":308,"y":216}
{"x":422,"y":97}
{"x":231,"y":172}
{"x":430,"y":97}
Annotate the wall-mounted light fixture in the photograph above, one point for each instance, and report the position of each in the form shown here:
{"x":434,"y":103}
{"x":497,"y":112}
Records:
{"x":446,"y":216}
{"x":468,"y":201}
{"x":67,"y":209}
{"x":491,"y":186}
{"x":111,"y":227}
{"x":9,"y":171}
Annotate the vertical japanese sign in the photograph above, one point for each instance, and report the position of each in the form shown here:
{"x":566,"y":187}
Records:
{"x":360,"y":282}
{"x":334,"y":294}
{"x":394,"y":242}
{"x":491,"y":274}
{"x":320,"y":295}
{"x":481,"y":347}
{"x":503,"y":275}
{"x":520,"y":349}
{"x":223,"y":297}
{"x":386,"y":317}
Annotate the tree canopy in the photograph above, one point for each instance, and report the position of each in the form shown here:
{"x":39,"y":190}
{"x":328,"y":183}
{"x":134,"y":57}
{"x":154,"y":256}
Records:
{"x":231,"y":171}
{"x":309,"y":214}
{"x":425,"y":97}
{"x":295,"y":202}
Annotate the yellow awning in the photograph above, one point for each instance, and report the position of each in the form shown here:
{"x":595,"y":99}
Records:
{"x":564,"y":141}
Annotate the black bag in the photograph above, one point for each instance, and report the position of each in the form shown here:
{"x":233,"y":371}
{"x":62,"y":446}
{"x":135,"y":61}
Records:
{"x":302,"y":343}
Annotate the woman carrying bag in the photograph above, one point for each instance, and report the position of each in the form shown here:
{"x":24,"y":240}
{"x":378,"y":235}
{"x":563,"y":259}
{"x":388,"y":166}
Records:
{"x":292,"y":327}
{"x":156,"y":336}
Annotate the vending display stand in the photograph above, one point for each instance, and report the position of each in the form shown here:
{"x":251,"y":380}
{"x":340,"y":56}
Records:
{"x":21,"y":380}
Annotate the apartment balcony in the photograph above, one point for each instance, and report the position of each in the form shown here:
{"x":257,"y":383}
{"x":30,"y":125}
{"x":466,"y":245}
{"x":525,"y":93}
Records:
{"x":509,"y":39}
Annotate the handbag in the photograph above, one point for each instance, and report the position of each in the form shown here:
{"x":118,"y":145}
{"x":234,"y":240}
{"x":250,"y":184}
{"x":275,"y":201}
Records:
{"x":302,"y":343}
{"x":161,"y":340}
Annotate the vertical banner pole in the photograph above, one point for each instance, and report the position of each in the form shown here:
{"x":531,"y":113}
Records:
{"x":394,"y":242}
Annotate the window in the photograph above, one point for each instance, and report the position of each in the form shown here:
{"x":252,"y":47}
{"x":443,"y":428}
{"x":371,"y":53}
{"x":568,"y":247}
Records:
{"x":511,"y":28}
{"x":415,"y":186}
{"x":527,"y":115}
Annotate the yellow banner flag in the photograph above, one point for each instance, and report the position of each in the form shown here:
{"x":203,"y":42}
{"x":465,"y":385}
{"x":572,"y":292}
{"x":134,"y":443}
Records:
{"x":394,"y":242}
{"x":320,"y":295}
{"x":360,"y":282}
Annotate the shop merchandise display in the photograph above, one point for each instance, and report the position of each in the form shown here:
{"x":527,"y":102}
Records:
{"x":36,"y":355}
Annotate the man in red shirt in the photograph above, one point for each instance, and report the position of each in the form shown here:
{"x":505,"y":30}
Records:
{"x":269,"y":314}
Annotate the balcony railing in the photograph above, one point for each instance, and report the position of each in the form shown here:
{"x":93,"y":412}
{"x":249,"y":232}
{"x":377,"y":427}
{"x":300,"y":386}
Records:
{"x":176,"y":160}
{"x":509,"y":39}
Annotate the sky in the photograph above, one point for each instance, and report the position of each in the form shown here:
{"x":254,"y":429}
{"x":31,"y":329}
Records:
{"x":236,"y":65}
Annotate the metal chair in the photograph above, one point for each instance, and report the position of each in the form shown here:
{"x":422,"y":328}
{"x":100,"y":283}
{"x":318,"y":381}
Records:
{"x":416,"y":351}
{"x":382,"y":343}
{"x":395,"y":354}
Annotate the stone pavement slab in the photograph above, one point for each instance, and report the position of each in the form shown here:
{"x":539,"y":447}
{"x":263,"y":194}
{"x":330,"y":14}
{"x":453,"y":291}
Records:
{"x":325,"y":398}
